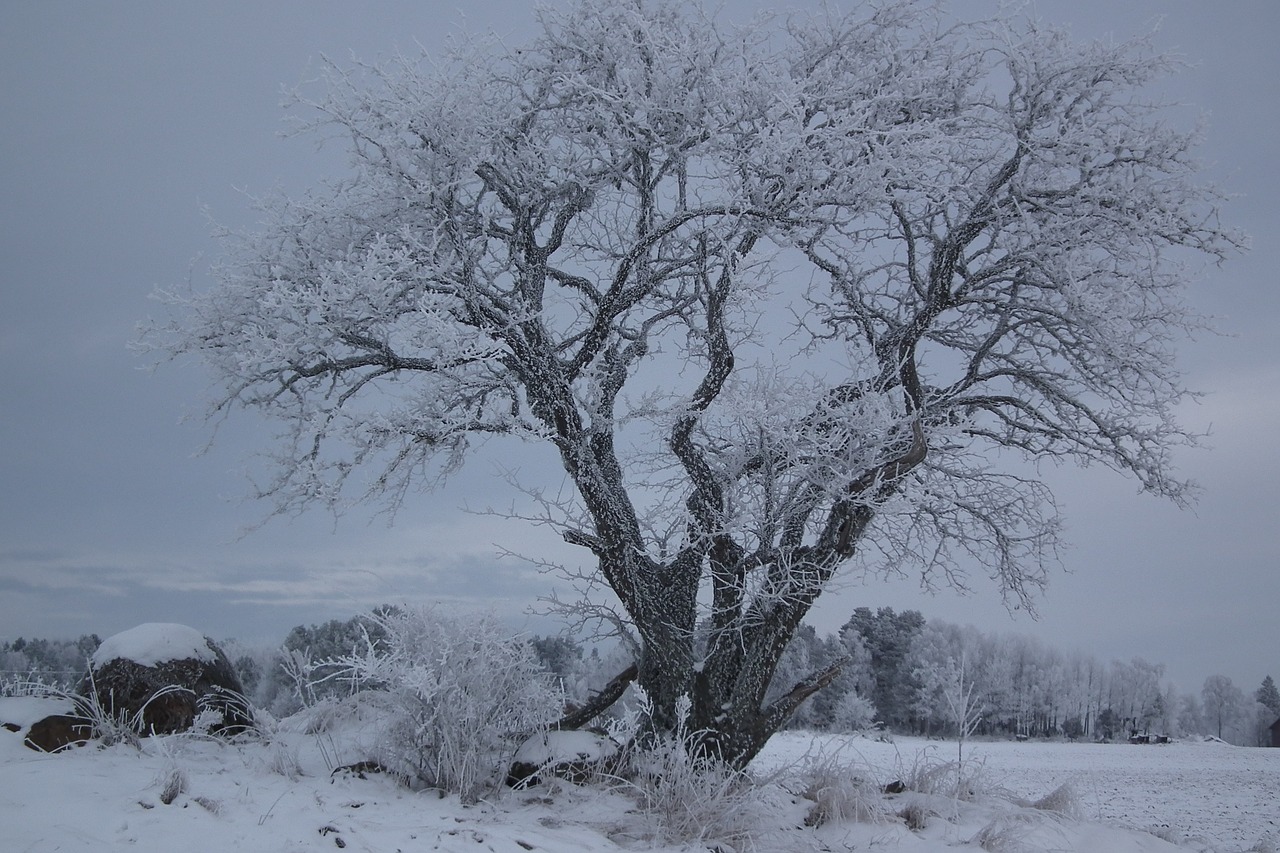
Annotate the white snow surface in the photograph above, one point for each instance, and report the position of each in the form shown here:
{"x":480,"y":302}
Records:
{"x":152,"y":643}
{"x":23,"y":711}
{"x":556,"y":747}
{"x":1205,"y":795}
{"x":277,"y":792}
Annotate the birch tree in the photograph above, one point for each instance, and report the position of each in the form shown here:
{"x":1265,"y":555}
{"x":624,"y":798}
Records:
{"x":781,"y":298}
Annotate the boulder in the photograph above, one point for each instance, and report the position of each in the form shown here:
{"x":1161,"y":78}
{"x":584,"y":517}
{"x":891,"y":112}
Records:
{"x":161,"y":676}
{"x":45,"y":723}
{"x":57,"y":732}
{"x":573,"y":755}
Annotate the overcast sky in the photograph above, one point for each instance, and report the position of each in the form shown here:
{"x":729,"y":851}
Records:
{"x":121,"y":123}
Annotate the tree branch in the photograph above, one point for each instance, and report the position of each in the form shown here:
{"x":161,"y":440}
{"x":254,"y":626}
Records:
{"x":600,"y":701}
{"x":776,"y":714}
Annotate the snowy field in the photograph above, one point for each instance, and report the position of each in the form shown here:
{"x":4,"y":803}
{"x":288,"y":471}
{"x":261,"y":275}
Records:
{"x":277,"y":795}
{"x":1205,"y":795}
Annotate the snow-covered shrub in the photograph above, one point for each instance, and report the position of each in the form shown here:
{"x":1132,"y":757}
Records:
{"x":915,"y":814}
{"x":928,"y":774}
{"x":283,"y":759}
{"x":622,"y":720}
{"x":1062,"y":800}
{"x":690,"y":799}
{"x":300,"y":674}
{"x":262,"y":672}
{"x":302,"y":671}
{"x":1022,"y":832}
{"x":839,"y":790}
{"x":173,"y":783}
{"x":458,"y":694}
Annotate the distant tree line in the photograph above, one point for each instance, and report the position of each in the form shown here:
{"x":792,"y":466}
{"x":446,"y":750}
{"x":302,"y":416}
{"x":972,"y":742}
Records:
{"x":910,"y":671}
{"x":901,"y":673}
{"x":58,"y":663}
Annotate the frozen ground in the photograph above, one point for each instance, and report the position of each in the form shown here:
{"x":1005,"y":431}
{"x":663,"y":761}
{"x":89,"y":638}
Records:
{"x":277,"y":795}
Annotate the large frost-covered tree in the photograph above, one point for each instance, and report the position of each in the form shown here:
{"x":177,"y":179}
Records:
{"x":1223,"y":701}
{"x":780,"y":297}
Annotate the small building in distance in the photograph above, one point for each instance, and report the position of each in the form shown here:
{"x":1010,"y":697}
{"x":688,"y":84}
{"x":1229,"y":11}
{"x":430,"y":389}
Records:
{"x":1275,"y":733}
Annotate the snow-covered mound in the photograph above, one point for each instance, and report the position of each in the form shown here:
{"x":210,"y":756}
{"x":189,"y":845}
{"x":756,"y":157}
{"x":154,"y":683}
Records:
{"x":160,"y":676}
{"x":574,"y":755}
{"x":152,"y":643}
{"x":555,"y":747}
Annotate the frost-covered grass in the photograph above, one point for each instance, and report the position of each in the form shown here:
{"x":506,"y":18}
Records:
{"x":277,"y":792}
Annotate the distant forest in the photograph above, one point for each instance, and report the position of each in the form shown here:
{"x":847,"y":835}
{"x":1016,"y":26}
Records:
{"x":904,"y":674}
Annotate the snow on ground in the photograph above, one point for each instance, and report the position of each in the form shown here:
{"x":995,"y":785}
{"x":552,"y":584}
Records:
{"x":277,"y":795}
{"x":23,"y":712}
{"x":1228,"y":795}
{"x":1204,"y":795}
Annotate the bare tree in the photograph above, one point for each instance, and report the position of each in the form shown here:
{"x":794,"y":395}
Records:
{"x":964,"y":704}
{"x":842,"y":268}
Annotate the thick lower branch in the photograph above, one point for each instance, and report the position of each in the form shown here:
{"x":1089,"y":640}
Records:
{"x":777,"y":714}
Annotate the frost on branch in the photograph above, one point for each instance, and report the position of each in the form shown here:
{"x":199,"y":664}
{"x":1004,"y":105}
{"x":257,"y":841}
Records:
{"x":780,"y":296}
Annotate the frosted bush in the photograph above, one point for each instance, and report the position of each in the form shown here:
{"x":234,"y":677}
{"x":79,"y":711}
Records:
{"x":1062,"y":800}
{"x":931,"y":775}
{"x":1022,"y":832}
{"x":685,"y":798}
{"x":173,"y":783}
{"x":686,"y":795}
{"x":839,"y":789}
{"x":852,"y":713}
{"x":460,"y":693}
